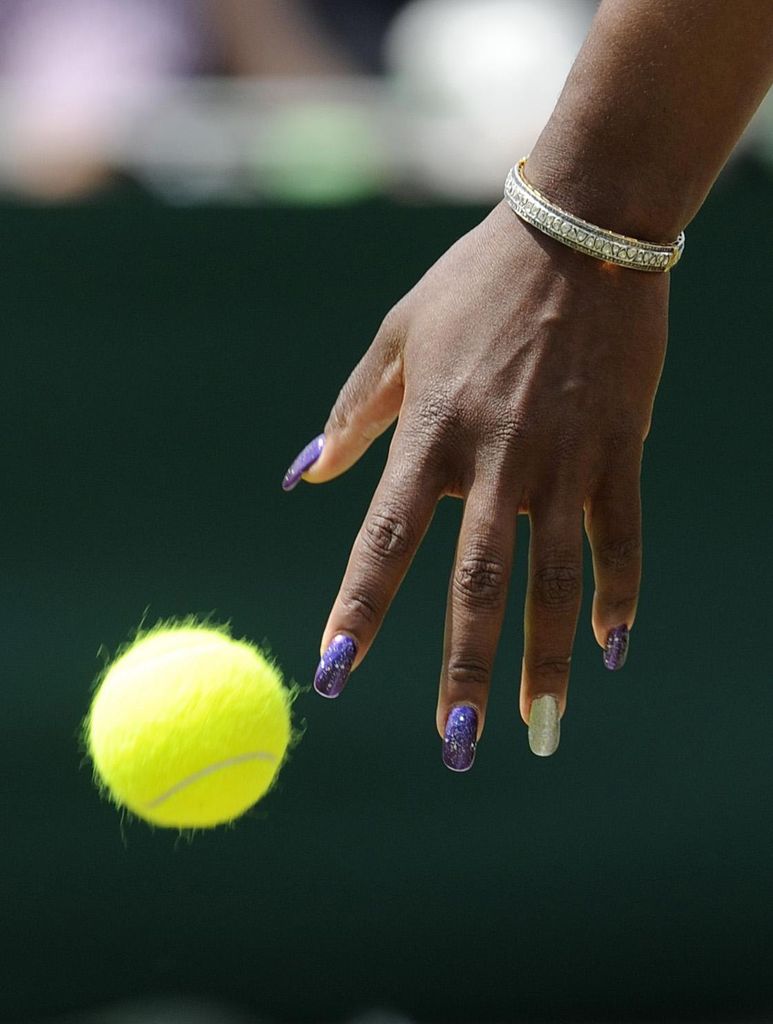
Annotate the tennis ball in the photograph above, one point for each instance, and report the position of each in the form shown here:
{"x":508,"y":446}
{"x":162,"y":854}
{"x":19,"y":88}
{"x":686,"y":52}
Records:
{"x":188,"y":727}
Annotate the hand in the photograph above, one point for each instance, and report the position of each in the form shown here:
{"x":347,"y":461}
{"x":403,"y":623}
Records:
{"x":522,"y":375}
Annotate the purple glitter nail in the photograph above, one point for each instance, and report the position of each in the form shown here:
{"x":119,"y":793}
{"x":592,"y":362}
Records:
{"x":616,"y":650}
{"x":460,"y":738}
{"x":335,"y":666}
{"x":303,"y":461}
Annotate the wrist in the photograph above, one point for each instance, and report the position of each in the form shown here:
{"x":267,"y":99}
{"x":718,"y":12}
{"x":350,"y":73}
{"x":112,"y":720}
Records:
{"x":614,"y":190}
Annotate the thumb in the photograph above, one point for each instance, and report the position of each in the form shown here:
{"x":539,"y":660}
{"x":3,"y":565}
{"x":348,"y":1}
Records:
{"x":367,"y":404}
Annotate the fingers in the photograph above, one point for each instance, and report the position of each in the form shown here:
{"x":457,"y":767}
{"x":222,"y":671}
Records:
{"x":477,"y":596}
{"x":613,"y":525}
{"x":553,"y":598}
{"x":367,"y":404}
{"x":398,"y":517}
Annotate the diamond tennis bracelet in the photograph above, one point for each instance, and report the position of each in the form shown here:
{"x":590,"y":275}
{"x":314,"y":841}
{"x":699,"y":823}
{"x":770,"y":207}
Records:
{"x":535,"y":209}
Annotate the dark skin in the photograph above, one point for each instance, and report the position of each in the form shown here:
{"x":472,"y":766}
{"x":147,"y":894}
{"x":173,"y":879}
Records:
{"x":522,"y":374}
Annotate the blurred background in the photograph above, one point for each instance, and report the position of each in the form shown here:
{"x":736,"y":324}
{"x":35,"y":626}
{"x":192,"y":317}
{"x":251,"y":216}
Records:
{"x":207,"y":206}
{"x":198,"y":101}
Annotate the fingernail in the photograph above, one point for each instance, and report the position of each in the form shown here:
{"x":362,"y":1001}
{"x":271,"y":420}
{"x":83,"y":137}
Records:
{"x":616,"y":650}
{"x":460,"y":739}
{"x":544,"y":725}
{"x":304,"y":460}
{"x":335,"y":666}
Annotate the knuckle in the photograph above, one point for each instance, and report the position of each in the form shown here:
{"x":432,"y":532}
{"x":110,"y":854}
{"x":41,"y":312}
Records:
{"x":508,"y":432}
{"x":468,"y":671}
{"x":620,"y":555}
{"x":550,"y":667}
{"x":387,"y":532}
{"x":612,"y":603}
{"x":569,"y":443}
{"x":479,"y":581}
{"x":361,"y":606}
{"x":437,"y":416}
{"x":557,"y":586}
{"x":433,"y":427}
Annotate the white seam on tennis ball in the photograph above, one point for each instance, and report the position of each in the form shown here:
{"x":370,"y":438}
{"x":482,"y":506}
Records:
{"x":258,"y":755}
{"x":167,"y":656}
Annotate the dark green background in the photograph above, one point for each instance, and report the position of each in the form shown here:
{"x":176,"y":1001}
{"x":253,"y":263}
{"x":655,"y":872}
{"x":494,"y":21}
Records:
{"x":160,"y":368}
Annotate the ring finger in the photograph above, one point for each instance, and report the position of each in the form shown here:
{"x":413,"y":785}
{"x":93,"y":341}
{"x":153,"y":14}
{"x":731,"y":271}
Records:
{"x":553,"y":598}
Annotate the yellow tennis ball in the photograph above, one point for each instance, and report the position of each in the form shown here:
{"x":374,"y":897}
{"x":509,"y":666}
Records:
{"x":189,"y":727}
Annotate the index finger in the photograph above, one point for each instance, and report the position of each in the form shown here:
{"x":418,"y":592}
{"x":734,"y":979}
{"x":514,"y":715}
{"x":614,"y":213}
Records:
{"x":399,"y":515}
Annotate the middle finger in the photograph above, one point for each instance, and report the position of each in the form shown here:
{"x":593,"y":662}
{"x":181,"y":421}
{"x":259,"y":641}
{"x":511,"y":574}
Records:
{"x":476,"y":604}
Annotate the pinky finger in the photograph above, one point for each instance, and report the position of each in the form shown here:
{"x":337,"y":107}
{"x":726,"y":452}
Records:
{"x":613,"y":525}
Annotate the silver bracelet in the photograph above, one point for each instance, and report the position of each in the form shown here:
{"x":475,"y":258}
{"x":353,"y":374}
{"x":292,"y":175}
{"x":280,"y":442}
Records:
{"x":535,"y":209}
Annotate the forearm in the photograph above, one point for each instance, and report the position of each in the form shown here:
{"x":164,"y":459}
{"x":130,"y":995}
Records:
{"x":657,"y":98}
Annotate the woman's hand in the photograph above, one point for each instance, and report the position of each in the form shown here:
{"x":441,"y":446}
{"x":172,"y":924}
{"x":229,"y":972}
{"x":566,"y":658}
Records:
{"x":522,"y":375}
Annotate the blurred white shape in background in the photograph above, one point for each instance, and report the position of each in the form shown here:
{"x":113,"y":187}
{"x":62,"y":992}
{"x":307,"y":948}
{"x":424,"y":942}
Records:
{"x":478,"y":79}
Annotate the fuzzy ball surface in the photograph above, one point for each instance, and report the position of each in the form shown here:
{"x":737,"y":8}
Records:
{"x":188,"y":727}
